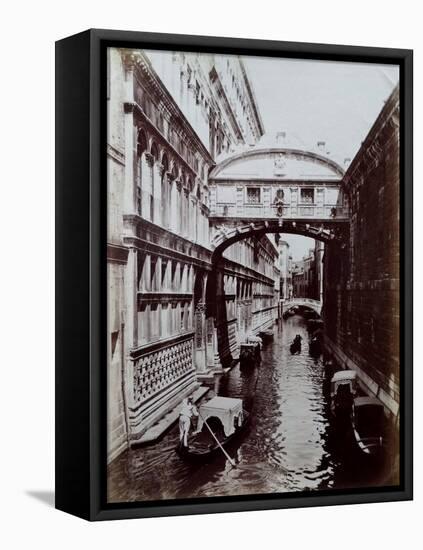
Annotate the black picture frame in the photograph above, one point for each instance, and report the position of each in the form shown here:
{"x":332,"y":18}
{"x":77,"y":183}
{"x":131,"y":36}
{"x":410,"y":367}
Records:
{"x":81,"y":278}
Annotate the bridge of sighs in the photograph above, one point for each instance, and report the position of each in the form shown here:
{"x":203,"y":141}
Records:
{"x":270,"y":190}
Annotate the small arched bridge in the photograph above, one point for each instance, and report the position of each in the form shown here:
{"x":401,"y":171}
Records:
{"x":315,"y":305}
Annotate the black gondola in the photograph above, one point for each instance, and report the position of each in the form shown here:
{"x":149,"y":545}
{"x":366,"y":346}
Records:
{"x":249,"y":354}
{"x":314,"y":347}
{"x":295,"y":347}
{"x":267,"y":335}
{"x":367,"y":423}
{"x":233,"y":423}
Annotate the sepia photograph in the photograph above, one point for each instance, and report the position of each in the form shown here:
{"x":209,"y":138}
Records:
{"x":253,"y":275}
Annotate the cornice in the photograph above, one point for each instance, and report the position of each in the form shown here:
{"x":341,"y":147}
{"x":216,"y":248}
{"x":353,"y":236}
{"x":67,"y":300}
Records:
{"x":150,"y":79}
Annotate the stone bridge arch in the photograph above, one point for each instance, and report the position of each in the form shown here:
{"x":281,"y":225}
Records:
{"x":315,"y":305}
{"x":216,"y":314}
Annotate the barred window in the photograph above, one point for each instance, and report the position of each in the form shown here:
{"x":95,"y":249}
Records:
{"x":279,"y":195}
{"x":253,"y":195}
{"x":307,"y":195}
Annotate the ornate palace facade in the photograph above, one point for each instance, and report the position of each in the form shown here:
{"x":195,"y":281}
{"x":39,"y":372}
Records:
{"x":169,"y":116}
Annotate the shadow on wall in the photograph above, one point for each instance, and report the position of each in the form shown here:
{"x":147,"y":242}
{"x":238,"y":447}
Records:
{"x":46,"y":497}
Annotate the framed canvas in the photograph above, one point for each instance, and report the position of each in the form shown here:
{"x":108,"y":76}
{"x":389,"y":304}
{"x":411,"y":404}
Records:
{"x":233,"y":274}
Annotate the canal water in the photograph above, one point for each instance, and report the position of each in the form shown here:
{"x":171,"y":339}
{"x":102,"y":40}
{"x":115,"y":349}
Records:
{"x":290,"y":445}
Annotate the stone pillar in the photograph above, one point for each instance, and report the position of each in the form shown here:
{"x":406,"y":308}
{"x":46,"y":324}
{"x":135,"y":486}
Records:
{"x":166,"y":199}
{"x":130,"y":189}
{"x":145,"y":281}
{"x":147,"y":186}
{"x":200,"y":341}
{"x":173,"y":207}
{"x":195,"y":221}
{"x":179,"y":207}
{"x":157,"y":192}
{"x":183,"y":212}
{"x":184,"y":280}
{"x":130,"y":293}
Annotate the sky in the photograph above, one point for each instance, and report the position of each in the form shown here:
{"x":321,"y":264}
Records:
{"x":313,"y":101}
{"x":319,"y":101}
{"x":298,"y":245}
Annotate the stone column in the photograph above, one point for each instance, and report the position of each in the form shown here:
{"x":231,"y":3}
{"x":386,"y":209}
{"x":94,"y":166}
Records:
{"x":145,"y":281}
{"x":157,"y":192}
{"x":200,"y":341}
{"x":173,"y":207}
{"x":178,"y":215}
{"x":182,"y":212}
{"x":166,"y":199}
{"x":147,"y":186}
{"x":130,"y":189}
{"x":130,"y":293}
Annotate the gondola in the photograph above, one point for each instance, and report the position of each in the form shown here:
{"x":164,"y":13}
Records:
{"x":267,"y":335}
{"x":367,"y":423}
{"x":225,"y":412}
{"x":343,"y":390}
{"x":314,"y":347}
{"x":295,"y":347}
{"x":249,"y":355}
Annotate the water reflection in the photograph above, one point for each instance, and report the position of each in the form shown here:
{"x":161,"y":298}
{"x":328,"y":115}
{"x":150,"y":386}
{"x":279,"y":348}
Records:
{"x":290,"y":445}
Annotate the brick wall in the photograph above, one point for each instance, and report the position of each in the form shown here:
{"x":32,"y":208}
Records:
{"x":362,"y":278}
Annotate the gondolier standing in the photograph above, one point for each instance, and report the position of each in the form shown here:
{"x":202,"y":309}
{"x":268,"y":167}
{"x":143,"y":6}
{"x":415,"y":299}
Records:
{"x":188,"y":410}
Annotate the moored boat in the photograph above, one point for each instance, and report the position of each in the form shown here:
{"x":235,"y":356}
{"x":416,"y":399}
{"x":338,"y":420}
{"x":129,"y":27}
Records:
{"x":249,"y":354}
{"x":343,"y":390}
{"x":314,"y":347}
{"x":367,"y":421}
{"x":295,"y":346}
{"x":267,"y":335}
{"x":221,"y":420}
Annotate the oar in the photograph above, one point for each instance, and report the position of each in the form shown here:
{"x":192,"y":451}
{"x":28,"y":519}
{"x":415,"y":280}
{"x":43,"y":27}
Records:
{"x":217,"y":441}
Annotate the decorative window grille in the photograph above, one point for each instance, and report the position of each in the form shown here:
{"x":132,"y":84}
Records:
{"x":279,"y":195}
{"x":253,"y":195}
{"x":307,"y":196}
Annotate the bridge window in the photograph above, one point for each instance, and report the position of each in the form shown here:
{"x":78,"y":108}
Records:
{"x":253,"y":195}
{"x":307,"y":196}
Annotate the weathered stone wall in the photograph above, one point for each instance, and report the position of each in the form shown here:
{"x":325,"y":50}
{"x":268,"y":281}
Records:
{"x":361,"y":299}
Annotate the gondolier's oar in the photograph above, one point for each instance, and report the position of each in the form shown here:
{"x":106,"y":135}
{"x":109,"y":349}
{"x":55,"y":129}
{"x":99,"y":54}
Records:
{"x":217,"y":441}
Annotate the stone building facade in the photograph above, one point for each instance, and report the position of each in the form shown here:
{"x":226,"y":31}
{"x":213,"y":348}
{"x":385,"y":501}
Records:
{"x":362,"y":277}
{"x":169,"y":116}
{"x":251,"y":291}
{"x":285,"y":264}
{"x":307,"y":274}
